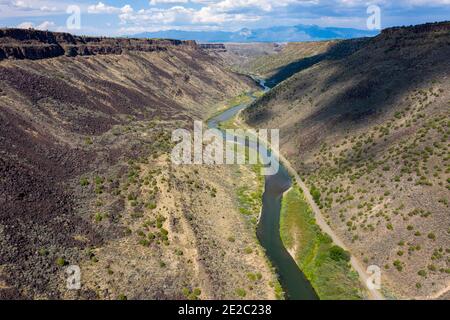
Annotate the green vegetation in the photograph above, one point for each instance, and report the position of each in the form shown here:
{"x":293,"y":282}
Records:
{"x":248,"y":250}
{"x":398,"y":265}
{"x":43,"y":252}
{"x":99,"y":217}
{"x":229,"y":124}
{"x":88,"y":141}
{"x":324,"y":264}
{"x":279,"y":293}
{"x":249,"y":199}
{"x":192,"y":295}
{"x":61,"y":262}
{"x":315,"y":193}
{"x":241,"y":292}
{"x":243,"y":98}
{"x":122,"y":297}
{"x":84,"y":182}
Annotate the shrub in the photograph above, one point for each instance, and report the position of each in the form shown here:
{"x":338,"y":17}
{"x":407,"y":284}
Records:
{"x":151,"y":205}
{"x":140,"y":233}
{"x":241,"y":292}
{"x":99,"y":189}
{"x":251,"y":276}
{"x":422,"y":273}
{"x":132,"y":197}
{"x":84,"y":182}
{"x":43,"y":252}
{"x":99,"y":180}
{"x":98,"y":217}
{"x":186,"y":292}
{"x":398,"y":265}
{"x":315,"y":193}
{"x":339,"y":254}
{"x":61,"y":262}
{"x":197,"y":291}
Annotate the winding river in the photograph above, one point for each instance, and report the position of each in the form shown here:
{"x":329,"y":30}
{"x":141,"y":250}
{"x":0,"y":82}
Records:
{"x":292,"y":279}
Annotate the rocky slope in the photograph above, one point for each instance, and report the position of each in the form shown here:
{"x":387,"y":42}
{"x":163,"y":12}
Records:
{"x":239,"y":56}
{"x":277,"y":62}
{"x":295,"y":57}
{"x":269,"y":65}
{"x":369,"y":133}
{"x":81,"y":139}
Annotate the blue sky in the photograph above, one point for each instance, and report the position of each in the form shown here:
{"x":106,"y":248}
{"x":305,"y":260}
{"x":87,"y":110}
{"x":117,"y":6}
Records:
{"x":117,"y":17}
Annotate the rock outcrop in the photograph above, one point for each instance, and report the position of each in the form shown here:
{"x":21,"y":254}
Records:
{"x":421,"y":28}
{"x":34,"y":44}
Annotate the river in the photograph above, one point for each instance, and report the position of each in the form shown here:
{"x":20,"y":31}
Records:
{"x":292,"y":279}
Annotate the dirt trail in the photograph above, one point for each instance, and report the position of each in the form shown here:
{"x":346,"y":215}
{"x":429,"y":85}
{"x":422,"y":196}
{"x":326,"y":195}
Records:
{"x":437,"y":295}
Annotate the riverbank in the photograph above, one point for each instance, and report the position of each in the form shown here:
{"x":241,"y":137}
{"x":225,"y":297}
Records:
{"x":249,"y":194}
{"x":262,"y":207}
{"x":324,"y":264}
{"x":250,"y":205}
{"x":243,"y":98}
{"x":371,"y":294}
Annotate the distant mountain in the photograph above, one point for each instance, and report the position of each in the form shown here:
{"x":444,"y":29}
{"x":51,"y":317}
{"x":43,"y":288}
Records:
{"x":273,"y":34}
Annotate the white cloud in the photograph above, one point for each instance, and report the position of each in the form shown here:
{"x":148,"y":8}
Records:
{"x":182,"y":16}
{"x":433,"y":3}
{"x":397,"y":4}
{"x":156,"y":16}
{"x":101,"y":8}
{"x":126,"y":9}
{"x":25,"y":25}
{"x":46,"y":25}
{"x":48,"y":9}
{"x":35,"y":5}
{"x":211,"y":15}
{"x":155,"y":2}
{"x":229,"y":5}
{"x":22,"y":4}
